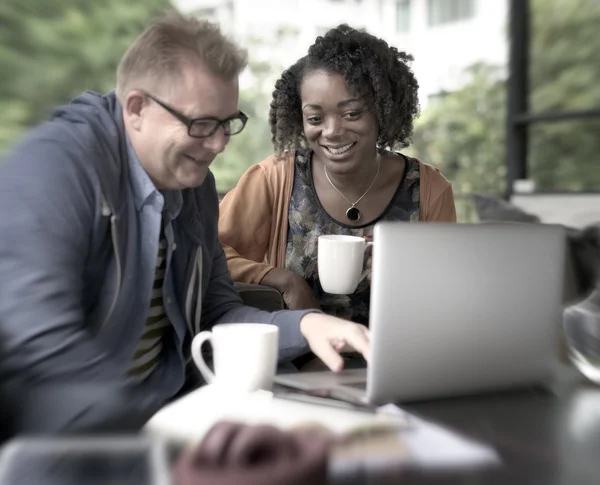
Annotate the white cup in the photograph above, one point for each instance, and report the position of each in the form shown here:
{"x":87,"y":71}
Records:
{"x":340,"y":260}
{"x":244,"y":355}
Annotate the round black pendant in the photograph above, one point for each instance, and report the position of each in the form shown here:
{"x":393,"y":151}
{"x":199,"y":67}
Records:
{"x":353,"y":214}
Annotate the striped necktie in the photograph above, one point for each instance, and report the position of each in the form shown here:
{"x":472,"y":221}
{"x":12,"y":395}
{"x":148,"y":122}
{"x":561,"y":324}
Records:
{"x":149,"y":349}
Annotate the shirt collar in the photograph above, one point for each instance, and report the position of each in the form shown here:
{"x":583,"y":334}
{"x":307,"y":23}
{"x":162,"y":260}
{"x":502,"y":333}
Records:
{"x":140,"y":182}
{"x":144,"y":189}
{"x":173,"y":203}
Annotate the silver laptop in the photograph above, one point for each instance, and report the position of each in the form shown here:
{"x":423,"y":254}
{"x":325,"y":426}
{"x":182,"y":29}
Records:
{"x":456,"y":309}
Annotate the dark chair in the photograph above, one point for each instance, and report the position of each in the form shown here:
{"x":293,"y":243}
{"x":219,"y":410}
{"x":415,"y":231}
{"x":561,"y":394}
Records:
{"x":260,"y":296}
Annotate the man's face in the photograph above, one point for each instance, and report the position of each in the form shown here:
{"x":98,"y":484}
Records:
{"x":172,"y":158}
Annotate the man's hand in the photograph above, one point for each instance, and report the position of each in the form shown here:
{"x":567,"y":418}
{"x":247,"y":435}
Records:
{"x":328,"y":336}
{"x":295,"y":290}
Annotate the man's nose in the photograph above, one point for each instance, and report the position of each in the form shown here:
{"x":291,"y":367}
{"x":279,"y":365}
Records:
{"x":216,"y":142}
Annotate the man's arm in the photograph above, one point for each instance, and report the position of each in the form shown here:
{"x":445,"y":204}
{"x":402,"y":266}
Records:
{"x":222,"y":304}
{"x":299,"y":330}
{"x":47,"y":206}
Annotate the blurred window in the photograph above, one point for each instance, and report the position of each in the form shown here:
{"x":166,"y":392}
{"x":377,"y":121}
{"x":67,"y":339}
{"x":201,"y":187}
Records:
{"x":402,"y":16}
{"x":441,"y":12}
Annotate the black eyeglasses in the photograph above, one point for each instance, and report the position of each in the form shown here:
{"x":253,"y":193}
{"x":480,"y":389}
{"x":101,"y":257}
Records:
{"x":205,"y":127}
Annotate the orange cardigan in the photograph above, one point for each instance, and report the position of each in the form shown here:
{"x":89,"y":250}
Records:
{"x":253,"y":221}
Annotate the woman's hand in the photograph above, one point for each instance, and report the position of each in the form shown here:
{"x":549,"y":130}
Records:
{"x":295,"y":290}
{"x":369,"y":257}
{"x":368,"y":266}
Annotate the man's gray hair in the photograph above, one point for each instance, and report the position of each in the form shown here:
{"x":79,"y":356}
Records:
{"x":159,"y":53}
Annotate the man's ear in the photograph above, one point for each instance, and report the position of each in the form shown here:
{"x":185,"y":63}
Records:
{"x":134,"y":108}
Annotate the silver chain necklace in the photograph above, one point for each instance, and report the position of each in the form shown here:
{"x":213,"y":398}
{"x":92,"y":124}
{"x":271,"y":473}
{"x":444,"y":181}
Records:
{"x":353,"y":213}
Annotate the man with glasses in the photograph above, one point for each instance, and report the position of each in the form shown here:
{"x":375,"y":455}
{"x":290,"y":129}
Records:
{"x":109,"y":252}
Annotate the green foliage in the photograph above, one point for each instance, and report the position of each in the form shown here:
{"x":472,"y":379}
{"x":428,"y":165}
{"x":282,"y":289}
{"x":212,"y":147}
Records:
{"x":464,"y":132}
{"x":52,"y":51}
{"x":565,"y":69}
{"x":254,"y":143}
{"x":249,"y":147}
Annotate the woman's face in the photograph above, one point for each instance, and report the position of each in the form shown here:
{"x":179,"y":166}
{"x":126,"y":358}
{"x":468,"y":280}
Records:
{"x":338,"y":125}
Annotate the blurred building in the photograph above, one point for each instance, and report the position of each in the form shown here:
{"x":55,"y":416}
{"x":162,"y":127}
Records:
{"x":444,"y":36}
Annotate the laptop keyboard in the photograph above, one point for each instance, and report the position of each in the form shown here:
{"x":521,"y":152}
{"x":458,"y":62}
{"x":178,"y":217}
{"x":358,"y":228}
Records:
{"x":356,"y":385}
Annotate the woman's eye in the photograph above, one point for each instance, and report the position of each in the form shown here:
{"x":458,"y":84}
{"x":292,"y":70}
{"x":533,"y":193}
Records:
{"x":314,"y":119}
{"x":353,"y":114}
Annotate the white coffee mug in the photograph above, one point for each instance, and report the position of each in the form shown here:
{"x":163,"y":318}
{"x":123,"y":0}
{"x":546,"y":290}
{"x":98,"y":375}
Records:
{"x":244,"y":355}
{"x":340,"y":260}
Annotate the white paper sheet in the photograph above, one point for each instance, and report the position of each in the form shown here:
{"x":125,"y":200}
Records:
{"x":428,"y":445}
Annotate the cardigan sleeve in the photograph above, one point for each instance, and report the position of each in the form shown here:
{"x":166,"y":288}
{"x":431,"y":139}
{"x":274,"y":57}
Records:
{"x":437,"y":197}
{"x":245,"y":222}
{"x":442,"y":209}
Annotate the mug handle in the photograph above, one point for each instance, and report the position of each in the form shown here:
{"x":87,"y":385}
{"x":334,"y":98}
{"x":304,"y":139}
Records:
{"x":366,"y":271}
{"x":199,"y":339}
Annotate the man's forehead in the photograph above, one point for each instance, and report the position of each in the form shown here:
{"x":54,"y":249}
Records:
{"x":195,"y":75}
{"x":198,"y":93}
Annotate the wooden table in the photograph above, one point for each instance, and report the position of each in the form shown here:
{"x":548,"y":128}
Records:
{"x":545,"y":437}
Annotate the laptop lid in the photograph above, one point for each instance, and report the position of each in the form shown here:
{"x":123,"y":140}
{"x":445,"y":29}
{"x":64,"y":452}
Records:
{"x":459,"y":308}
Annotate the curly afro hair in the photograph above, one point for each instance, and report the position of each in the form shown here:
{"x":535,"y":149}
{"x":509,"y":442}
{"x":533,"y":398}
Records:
{"x":370,"y":67}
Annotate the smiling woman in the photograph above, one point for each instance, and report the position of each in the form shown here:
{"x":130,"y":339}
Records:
{"x":338,"y":117}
